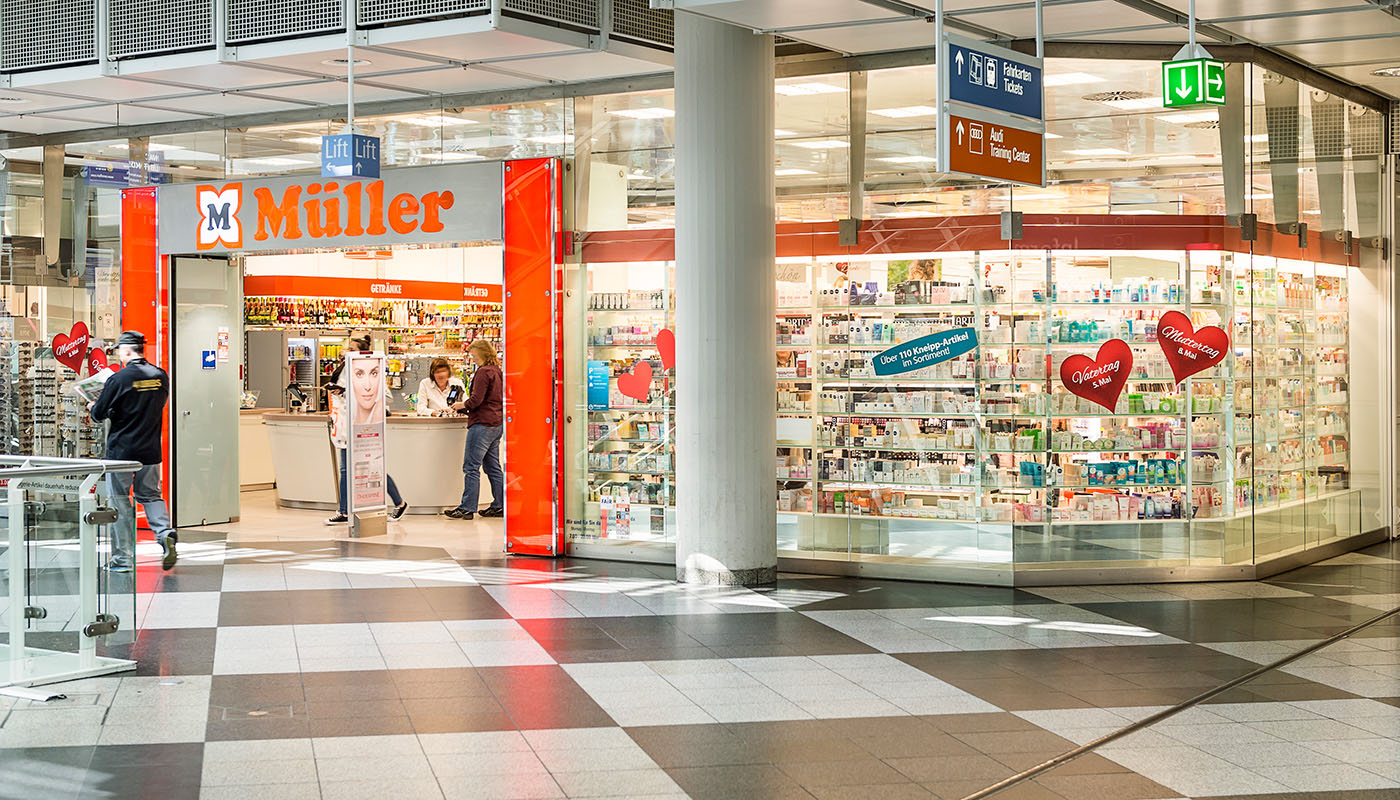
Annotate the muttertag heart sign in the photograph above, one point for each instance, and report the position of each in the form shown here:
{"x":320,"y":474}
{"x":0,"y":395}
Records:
{"x":1187,"y":349}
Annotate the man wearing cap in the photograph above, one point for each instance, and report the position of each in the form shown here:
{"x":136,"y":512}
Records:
{"x":134,"y":400}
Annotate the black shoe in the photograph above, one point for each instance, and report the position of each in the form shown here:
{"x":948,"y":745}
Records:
{"x":493,"y":512}
{"x":168,"y":560}
{"x":338,"y":519}
{"x":459,"y":513}
{"x":398,"y":510}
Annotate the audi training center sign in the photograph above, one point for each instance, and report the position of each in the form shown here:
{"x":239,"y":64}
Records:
{"x":1193,"y":82}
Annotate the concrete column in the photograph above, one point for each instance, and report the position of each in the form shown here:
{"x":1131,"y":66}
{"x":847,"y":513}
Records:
{"x":725,"y":302}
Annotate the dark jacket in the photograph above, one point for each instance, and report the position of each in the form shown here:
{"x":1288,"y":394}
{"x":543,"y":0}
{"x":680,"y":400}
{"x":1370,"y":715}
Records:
{"x":134,"y":400}
{"x":484,"y":404}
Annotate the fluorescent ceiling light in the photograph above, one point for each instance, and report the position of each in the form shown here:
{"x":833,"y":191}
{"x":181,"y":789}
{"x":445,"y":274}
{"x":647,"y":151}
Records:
{"x":909,"y":160}
{"x":654,"y":112}
{"x":1050,"y":135}
{"x":1068,"y":78}
{"x":458,"y":155}
{"x":1262,"y":196}
{"x":553,"y":138}
{"x":316,"y":140}
{"x":276,"y":161}
{"x":1257,"y":137}
{"x":905,"y":111}
{"x":781,"y":132}
{"x":792,"y":171}
{"x":1098,"y":151}
{"x":807,"y":88}
{"x":1134,"y":103}
{"x":822,"y":144}
{"x":1186,"y":117}
{"x":1139,"y":211}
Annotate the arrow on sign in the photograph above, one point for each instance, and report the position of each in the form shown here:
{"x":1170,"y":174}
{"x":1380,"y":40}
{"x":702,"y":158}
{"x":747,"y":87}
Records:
{"x":1184,"y":89}
{"x":959,"y":59}
{"x":1213,"y":81}
{"x":960,"y":131}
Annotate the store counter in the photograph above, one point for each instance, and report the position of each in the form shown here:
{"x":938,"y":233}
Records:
{"x":254,"y":451}
{"x":424,"y":455}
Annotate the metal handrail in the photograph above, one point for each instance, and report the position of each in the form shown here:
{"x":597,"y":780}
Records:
{"x":44,"y":466}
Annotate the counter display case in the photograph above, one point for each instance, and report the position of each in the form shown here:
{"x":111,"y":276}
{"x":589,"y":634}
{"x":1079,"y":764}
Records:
{"x":985,"y":461}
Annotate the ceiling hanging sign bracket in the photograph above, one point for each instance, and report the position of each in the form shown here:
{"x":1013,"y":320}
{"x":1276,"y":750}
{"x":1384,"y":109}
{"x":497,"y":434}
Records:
{"x":991,"y":108}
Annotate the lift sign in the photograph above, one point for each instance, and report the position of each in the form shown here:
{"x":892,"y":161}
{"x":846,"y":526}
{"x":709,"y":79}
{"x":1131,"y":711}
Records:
{"x":925,"y":351}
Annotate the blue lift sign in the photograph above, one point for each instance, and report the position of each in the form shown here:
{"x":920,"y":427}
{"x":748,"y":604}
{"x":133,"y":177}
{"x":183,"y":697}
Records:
{"x":995,"y":81}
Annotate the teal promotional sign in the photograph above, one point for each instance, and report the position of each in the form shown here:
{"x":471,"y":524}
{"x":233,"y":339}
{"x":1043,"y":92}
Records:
{"x":925,"y":351}
{"x":598,"y":375}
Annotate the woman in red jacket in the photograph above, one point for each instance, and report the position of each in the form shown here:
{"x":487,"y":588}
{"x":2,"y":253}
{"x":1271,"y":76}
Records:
{"x":483,"y":408}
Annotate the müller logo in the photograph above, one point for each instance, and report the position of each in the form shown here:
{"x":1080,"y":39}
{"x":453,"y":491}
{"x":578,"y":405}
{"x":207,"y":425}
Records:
{"x":386,"y":288}
{"x":218,"y":216}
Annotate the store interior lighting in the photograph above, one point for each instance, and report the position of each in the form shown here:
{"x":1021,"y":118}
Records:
{"x":654,"y":112}
{"x":905,"y":112}
{"x":808,"y":88}
{"x":823,"y":144}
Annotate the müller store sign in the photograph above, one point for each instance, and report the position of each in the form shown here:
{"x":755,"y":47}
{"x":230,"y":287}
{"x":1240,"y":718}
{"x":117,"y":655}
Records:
{"x":419,"y":205}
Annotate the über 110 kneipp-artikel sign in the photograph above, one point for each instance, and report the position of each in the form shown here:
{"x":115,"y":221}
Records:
{"x":925,"y":351}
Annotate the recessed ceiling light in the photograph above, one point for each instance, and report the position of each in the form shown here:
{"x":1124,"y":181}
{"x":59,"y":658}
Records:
{"x":1131,"y":211}
{"x":655,"y":112}
{"x":1098,"y":151}
{"x":11,"y":100}
{"x":909,"y":160}
{"x":1050,"y":135}
{"x":1258,"y":137}
{"x":781,"y":132}
{"x":458,"y":155}
{"x":553,"y":138}
{"x":1068,"y":78}
{"x":1387,"y":72}
{"x":822,"y":144}
{"x":434,"y":122}
{"x":807,"y":88}
{"x":1186,"y":117}
{"x":792,"y":171}
{"x":1262,"y":196}
{"x":341,"y":62}
{"x":905,"y":111}
{"x":1126,"y":100}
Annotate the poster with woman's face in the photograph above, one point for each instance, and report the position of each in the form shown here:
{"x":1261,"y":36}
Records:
{"x":367,"y":390}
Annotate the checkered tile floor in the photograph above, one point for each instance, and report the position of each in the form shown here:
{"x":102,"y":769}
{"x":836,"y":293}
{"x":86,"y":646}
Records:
{"x":335,"y":669}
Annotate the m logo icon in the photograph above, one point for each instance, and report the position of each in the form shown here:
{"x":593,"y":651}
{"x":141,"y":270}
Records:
{"x":218,"y":216}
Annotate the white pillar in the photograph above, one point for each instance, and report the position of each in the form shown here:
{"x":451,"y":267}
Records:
{"x":725,"y":303}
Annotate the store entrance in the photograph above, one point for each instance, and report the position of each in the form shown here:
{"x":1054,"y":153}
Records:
{"x":423,"y":261}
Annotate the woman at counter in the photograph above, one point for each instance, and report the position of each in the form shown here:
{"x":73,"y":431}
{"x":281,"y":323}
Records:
{"x":483,"y":408}
{"x":368,"y":402}
{"x":438,"y":391}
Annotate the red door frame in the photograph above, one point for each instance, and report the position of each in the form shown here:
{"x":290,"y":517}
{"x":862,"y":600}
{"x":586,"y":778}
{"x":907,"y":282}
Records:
{"x":532,"y":205}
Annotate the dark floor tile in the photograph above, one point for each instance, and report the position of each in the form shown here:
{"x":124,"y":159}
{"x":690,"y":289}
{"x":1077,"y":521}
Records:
{"x":44,"y":772}
{"x":884,"y":791}
{"x":737,"y":782}
{"x":937,"y":769}
{"x":176,"y":781}
{"x":958,"y":789}
{"x":979,"y":723}
{"x":358,"y":726}
{"x":351,"y":692}
{"x":328,"y":709}
{"x":173,"y":651}
{"x":140,"y":755}
{"x":907,"y":745}
{"x":467,"y":704}
{"x":462,"y":722}
{"x":543,"y":697}
{"x":996,"y":742}
{"x":252,"y":691}
{"x":1091,"y":764}
{"x":846,"y":772}
{"x":694,"y":745}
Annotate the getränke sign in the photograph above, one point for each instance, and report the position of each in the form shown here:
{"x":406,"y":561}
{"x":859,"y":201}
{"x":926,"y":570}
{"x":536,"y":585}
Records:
{"x":451,"y":203}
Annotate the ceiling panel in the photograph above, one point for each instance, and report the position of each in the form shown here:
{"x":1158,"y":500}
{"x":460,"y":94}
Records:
{"x":33,"y":101}
{"x":1316,"y":26}
{"x":106,"y":89}
{"x":333,"y":92}
{"x":215,"y":77}
{"x":583,"y":66}
{"x":317,"y":63}
{"x":1164,"y":33}
{"x":1215,"y":9}
{"x":489,"y":44}
{"x":770,"y":14}
{"x":459,"y":80}
{"x":230,"y":103}
{"x":1324,"y":53}
{"x":37,"y":124}
{"x":872,"y":38}
{"x":1065,"y":19}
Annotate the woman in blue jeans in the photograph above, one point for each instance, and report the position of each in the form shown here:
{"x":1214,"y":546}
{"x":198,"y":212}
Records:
{"x":483,"y":408}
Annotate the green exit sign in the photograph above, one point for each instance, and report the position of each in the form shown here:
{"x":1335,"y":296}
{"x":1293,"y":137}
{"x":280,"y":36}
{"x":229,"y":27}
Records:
{"x":1193,"y":82}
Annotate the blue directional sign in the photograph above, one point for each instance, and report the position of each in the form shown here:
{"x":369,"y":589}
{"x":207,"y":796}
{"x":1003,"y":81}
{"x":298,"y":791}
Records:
{"x":925,"y":351}
{"x":349,"y":155}
{"x":1000,"y":80}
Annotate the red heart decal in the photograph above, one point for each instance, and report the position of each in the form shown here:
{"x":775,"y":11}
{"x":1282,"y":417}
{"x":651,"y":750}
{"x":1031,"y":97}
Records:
{"x":1099,"y":379}
{"x":637,"y":383}
{"x":666,"y":346}
{"x":71,"y":348}
{"x":1189,"y":350}
{"x":97,"y":360}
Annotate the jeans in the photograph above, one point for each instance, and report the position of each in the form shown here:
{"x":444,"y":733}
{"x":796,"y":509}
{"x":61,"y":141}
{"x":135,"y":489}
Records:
{"x":482,"y":453}
{"x":345,"y":486}
{"x":146,"y":482}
